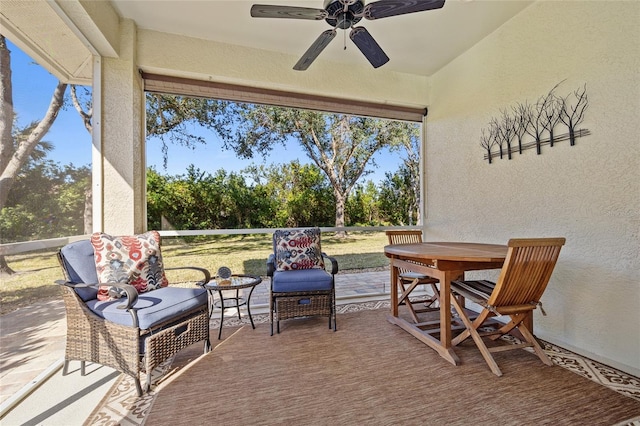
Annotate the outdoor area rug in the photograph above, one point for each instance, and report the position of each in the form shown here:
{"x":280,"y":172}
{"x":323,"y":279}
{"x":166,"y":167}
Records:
{"x":369,"y":371}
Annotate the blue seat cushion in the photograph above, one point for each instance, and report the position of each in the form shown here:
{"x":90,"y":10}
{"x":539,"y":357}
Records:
{"x":153,"y":307}
{"x":301,"y":280}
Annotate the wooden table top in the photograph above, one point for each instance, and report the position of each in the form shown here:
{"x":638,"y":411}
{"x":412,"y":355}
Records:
{"x":450,"y":251}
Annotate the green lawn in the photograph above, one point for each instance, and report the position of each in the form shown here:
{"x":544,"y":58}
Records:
{"x":37,"y":271}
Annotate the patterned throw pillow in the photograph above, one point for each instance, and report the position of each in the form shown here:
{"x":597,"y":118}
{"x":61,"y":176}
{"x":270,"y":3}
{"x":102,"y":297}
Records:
{"x":132,"y":259}
{"x":298,"y":249}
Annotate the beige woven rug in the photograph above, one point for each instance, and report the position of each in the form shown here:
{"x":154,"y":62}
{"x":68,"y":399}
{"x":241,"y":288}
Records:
{"x":368,"y":372}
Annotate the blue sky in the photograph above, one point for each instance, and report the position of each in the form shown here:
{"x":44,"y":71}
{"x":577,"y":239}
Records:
{"x":32,"y":90}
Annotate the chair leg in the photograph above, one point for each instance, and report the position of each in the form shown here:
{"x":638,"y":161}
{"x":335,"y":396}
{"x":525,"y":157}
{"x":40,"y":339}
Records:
{"x":138,"y":387}
{"x":207,"y":346}
{"x":271,"y":305}
{"x":404,"y":298}
{"x":534,"y":343}
{"x":436,"y":295}
{"x":476,"y":337}
{"x":147,"y":385}
{"x":65,"y":368}
{"x":82,"y":368}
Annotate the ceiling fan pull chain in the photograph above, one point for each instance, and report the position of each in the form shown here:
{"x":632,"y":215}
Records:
{"x":344,"y":39}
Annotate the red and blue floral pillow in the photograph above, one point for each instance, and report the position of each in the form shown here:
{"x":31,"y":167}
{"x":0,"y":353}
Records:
{"x":297,"y":249}
{"x":131,"y":259}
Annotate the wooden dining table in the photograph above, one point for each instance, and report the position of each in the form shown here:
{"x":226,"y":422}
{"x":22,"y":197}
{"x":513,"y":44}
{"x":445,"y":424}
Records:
{"x":446,"y":261}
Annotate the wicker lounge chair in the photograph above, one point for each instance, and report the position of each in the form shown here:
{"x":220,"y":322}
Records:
{"x":300,"y":285}
{"x":131,"y":334}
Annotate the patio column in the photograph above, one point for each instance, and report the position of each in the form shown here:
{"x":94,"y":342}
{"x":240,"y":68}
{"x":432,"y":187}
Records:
{"x":119,"y":184}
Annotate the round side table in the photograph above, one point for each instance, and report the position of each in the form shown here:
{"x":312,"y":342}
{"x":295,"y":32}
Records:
{"x":234,"y":282}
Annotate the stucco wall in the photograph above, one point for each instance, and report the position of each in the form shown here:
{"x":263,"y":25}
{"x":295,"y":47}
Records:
{"x":181,"y":56}
{"x":588,"y":193}
{"x":121,"y":205}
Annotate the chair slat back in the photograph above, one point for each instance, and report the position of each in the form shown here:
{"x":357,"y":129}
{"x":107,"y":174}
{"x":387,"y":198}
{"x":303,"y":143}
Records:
{"x":410,"y":236}
{"x":526,"y":271}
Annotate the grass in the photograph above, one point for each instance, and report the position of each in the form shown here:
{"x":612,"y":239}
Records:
{"x":36,"y":272}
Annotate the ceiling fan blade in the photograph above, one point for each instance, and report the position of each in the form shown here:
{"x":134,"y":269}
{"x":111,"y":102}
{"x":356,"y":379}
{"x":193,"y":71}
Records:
{"x":292,"y":12}
{"x":316,"y":48}
{"x":386,"y":8}
{"x":368,"y":46}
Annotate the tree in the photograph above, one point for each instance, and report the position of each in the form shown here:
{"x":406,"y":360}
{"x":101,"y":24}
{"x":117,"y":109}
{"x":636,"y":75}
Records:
{"x":572,"y":115}
{"x":83,"y":104}
{"x":363,"y":206}
{"x":169,"y":116}
{"x":396,"y":197}
{"x":494,"y":131}
{"x":552,"y":110}
{"x":411,"y":173}
{"x":487,"y":141}
{"x":340,"y":145}
{"x":44,"y":201}
{"x":534,"y":125}
{"x":300,"y":194}
{"x":522,"y":114}
{"x":507,"y":130}
{"x":14,"y":154}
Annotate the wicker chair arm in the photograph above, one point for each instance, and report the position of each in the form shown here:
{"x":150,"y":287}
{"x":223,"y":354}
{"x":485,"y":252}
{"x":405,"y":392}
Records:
{"x":75,"y":285}
{"x":128,"y":291}
{"x":334,"y":263}
{"x":271,"y":265}
{"x":116,"y":291}
{"x":205,"y":273}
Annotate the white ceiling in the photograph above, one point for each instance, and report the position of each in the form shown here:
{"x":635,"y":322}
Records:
{"x":419,"y":43}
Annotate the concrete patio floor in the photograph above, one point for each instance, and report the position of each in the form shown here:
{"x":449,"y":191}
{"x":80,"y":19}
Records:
{"x":32,"y":388}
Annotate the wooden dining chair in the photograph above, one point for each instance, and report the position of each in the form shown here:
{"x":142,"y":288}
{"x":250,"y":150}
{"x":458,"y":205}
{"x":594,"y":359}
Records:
{"x":409,"y":280}
{"x":523,"y":278}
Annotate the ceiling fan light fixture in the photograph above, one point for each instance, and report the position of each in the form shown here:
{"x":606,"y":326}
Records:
{"x":343,"y":15}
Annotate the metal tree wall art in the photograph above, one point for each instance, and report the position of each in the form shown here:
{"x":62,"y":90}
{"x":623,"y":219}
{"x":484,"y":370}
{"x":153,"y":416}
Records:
{"x":539,"y":121}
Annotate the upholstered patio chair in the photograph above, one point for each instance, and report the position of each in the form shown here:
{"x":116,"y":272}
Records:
{"x":409,"y":280}
{"x":522,"y":281}
{"x":113,"y":317}
{"x":300,"y":285}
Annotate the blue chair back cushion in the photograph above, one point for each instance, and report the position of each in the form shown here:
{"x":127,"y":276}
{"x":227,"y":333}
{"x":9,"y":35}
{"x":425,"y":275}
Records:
{"x":301,"y":280}
{"x":153,"y":307}
{"x":81,"y":266}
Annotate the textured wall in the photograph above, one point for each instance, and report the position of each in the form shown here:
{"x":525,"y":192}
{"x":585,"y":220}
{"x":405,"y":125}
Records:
{"x":122,"y":125}
{"x":183,"y":56}
{"x":588,"y":193}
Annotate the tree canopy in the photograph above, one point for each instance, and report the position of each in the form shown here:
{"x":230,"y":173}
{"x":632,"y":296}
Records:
{"x":341,"y":146}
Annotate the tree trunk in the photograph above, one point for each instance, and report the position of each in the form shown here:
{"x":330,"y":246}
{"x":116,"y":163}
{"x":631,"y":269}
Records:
{"x":572,"y":136}
{"x":87,"y":215}
{"x":12,"y":156}
{"x":7,"y":146}
{"x":4,"y":267}
{"x":340,"y":203}
{"x":22,"y":153}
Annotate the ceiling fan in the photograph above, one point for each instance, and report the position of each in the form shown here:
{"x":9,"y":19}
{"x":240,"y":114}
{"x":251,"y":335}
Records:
{"x":345,"y":14}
